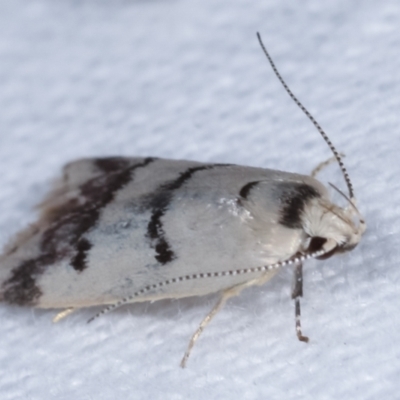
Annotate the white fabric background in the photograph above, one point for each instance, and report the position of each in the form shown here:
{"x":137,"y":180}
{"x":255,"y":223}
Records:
{"x":188,"y":80}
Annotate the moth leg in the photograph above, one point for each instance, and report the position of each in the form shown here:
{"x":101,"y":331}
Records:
{"x":62,"y":314}
{"x":324,"y":164}
{"x":220,"y":303}
{"x":297,"y":292}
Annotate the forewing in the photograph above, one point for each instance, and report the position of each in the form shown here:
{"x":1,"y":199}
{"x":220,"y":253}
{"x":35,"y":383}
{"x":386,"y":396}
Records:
{"x":116,"y":225}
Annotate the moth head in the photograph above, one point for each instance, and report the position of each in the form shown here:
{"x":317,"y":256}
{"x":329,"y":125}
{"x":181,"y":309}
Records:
{"x":330,"y":228}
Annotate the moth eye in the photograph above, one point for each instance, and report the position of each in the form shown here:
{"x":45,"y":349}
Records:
{"x":316,"y":243}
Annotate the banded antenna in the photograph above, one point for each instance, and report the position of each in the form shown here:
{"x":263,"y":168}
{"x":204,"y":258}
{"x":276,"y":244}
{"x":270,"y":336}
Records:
{"x":312,"y":119}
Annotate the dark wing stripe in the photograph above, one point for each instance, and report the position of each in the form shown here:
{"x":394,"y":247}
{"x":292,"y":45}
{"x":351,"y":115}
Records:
{"x":246,"y":189}
{"x":158,"y":203}
{"x":293,"y":198}
{"x":79,"y":262}
{"x":65,"y":235}
{"x":21,"y":288}
{"x":111,"y":164}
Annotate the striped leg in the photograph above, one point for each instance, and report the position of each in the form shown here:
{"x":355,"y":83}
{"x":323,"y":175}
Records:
{"x":297,"y":292}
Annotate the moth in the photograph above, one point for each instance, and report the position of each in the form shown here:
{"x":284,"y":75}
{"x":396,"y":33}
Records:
{"x":119,"y":230}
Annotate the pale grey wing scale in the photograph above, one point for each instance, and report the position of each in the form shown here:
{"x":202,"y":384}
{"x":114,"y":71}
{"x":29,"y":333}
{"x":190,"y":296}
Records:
{"x":164,"y":219}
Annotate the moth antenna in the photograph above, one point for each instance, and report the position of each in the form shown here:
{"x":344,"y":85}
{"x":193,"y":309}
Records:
{"x":343,"y":195}
{"x":312,"y":119}
{"x":352,"y":205}
{"x":295,"y":260}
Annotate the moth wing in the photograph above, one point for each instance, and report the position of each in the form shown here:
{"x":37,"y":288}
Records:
{"x":116,"y":226}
